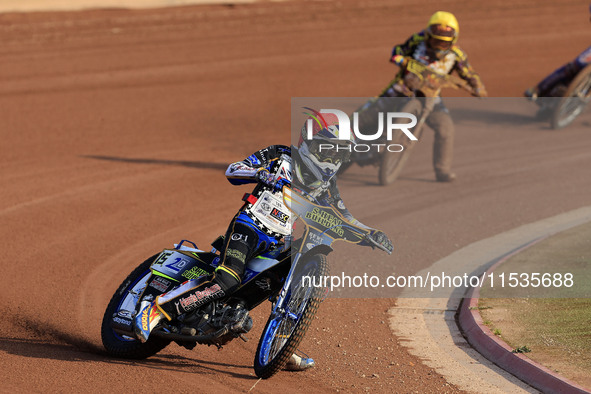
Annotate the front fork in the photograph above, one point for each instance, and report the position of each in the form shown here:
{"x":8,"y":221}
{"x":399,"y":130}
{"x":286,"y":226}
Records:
{"x":281,"y":297}
{"x":278,"y":307}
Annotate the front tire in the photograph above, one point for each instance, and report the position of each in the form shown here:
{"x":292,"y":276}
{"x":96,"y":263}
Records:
{"x":125,"y":299}
{"x":284,"y":332}
{"x":574,"y":101}
{"x":392,"y":163}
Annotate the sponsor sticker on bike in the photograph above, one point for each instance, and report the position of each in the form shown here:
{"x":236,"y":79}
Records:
{"x":160,"y":284}
{"x":194,"y":273}
{"x":200,"y":297}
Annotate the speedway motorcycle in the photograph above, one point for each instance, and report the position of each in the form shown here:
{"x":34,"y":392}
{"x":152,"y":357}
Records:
{"x":289,"y":276}
{"x":425,"y":84}
{"x":566,"y":102}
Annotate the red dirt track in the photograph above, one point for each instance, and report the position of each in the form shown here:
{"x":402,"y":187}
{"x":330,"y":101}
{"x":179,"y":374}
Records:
{"x":116,"y":127}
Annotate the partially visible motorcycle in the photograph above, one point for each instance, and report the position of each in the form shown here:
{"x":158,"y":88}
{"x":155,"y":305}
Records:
{"x":425,"y":84}
{"x":573,"y":100}
{"x":289,"y":276}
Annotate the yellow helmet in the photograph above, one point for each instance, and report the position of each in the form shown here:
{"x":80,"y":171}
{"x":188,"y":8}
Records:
{"x":443,"y":26}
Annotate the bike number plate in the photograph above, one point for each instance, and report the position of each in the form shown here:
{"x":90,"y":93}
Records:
{"x":179,"y":266}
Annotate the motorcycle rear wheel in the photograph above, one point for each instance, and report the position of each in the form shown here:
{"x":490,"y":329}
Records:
{"x":126,"y":296}
{"x":284,"y":332}
{"x":392,"y":163}
{"x":575,"y":99}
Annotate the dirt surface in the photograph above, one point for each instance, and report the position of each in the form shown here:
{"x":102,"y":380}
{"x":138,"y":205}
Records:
{"x":117,"y":126}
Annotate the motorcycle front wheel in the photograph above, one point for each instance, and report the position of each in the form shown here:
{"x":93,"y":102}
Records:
{"x":392,"y":163}
{"x":285,"y":329}
{"x":575,"y":99}
{"x":123,"y":304}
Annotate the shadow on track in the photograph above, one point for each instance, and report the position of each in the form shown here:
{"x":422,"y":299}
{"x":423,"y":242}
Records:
{"x":54,"y":343}
{"x":181,"y":163}
{"x":36,"y":348}
{"x":497,"y":117}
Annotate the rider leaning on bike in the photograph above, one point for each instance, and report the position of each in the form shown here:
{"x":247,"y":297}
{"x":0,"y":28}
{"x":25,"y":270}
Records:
{"x":555,"y":84}
{"x":247,"y":236}
{"x":436,"y":47}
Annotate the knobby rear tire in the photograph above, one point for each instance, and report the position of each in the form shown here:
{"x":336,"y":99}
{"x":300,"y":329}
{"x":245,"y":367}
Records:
{"x":120,"y":345}
{"x":266,"y":368}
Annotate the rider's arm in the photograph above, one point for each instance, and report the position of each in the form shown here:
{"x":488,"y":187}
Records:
{"x":466,"y":72}
{"x":377,"y":236}
{"x":245,"y":171}
{"x":333,"y":196}
{"x":408,"y":47}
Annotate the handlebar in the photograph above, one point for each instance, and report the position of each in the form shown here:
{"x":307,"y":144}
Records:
{"x":431,"y":82}
{"x":377,"y":244}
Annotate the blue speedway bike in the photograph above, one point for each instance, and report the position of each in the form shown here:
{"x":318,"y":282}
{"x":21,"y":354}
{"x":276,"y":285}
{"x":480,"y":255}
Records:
{"x":290,"y":277}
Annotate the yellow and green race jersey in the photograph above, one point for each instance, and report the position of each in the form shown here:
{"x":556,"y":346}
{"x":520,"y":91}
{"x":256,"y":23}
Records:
{"x":454,"y":60}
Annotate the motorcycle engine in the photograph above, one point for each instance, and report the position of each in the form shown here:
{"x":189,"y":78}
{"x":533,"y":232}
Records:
{"x":221,"y":323}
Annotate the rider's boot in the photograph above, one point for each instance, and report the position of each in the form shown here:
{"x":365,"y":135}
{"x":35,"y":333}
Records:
{"x":445,"y":176}
{"x":297,"y":363}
